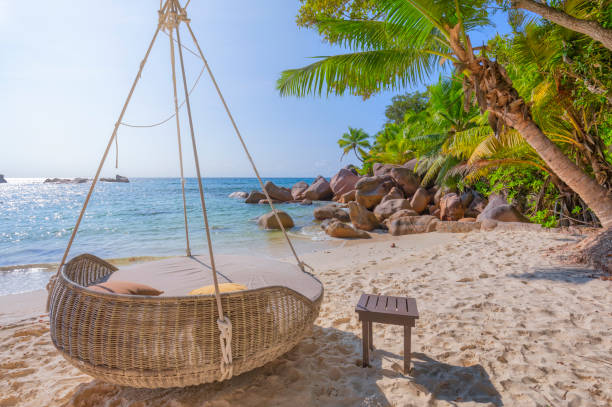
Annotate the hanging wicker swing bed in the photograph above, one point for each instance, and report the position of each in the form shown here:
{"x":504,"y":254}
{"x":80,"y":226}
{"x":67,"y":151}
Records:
{"x":177,"y":340}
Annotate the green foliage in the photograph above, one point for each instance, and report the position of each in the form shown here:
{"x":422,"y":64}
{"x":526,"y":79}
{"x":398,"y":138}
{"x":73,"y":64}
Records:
{"x":357,"y":141}
{"x":566,"y":78}
{"x":401,"y":104}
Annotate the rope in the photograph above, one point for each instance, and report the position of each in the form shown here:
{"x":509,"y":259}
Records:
{"x":180,"y":148}
{"x":173,"y":114}
{"x":223,"y":322}
{"x":227,"y":368}
{"x":110,"y":143}
{"x":300,"y":263}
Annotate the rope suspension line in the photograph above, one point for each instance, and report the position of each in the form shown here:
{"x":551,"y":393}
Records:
{"x":300,"y":264}
{"x":224,"y":324}
{"x":108,"y":146}
{"x":170,"y":16}
{"x":178,"y":135}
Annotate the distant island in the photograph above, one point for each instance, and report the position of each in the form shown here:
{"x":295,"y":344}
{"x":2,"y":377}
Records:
{"x":118,"y":178}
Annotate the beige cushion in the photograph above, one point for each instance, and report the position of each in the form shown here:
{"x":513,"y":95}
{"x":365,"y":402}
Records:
{"x":125,"y":287}
{"x":180,"y":275}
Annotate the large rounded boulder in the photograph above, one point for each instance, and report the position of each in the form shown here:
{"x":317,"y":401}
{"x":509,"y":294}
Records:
{"x":298,"y":190}
{"x":407,"y":225}
{"x":344,"y":181}
{"x":269,"y":221}
{"x":320,"y":190}
{"x":335,"y":228}
{"x":277,"y":193}
{"x":388,"y":208}
{"x":395,"y":193}
{"x":451,"y":207}
{"x":420,"y":200}
{"x":371,"y":190}
{"x":238,"y":195}
{"x":361,"y":217}
{"x":498,"y":209}
{"x":254,"y":197}
{"x":406,"y":179}
{"x":331,"y":212}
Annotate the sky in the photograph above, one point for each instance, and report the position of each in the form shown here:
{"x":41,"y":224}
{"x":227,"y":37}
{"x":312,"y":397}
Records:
{"x":66,"y":69}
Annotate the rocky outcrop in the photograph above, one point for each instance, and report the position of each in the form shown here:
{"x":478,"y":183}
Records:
{"x":383,"y":169}
{"x":348,"y":197}
{"x":118,"y":178}
{"x":371,"y":190}
{"x":335,"y":228}
{"x":277,"y":193}
{"x":266,"y":202}
{"x":400,"y":214}
{"x":331,"y":212}
{"x":238,"y":195}
{"x":66,"y":180}
{"x":406,"y":179}
{"x":412,"y":224}
{"x":2,"y":180}
{"x":499,"y":210}
{"x":320,"y":190}
{"x":412,"y":164}
{"x":420,"y":200}
{"x":254,"y":197}
{"x":298,"y":190}
{"x":451,"y":208}
{"x":268,"y":221}
{"x":395,"y":193}
{"x":361,"y":217}
{"x":306,"y":202}
{"x":344,"y":181}
{"x":388,"y":208}
{"x":477,"y":205}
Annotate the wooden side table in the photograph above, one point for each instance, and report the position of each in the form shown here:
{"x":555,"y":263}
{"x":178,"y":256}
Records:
{"x":386,"y":310}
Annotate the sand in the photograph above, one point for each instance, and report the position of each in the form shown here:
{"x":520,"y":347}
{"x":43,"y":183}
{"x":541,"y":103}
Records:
{"x":502,"y":323}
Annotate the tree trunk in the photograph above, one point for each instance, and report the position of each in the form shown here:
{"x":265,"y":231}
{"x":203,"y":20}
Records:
{"x":593,"y":194}
{"x":495,"y":93}
{"x":587,"y":27}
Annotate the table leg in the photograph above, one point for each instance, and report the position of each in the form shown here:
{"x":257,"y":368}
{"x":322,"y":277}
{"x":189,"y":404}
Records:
{"x":407,"y":350}
{"x":365,"y":336}
{"x":370,"y":339}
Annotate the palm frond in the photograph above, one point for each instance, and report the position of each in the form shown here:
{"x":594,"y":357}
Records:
{"x":361,"y":73}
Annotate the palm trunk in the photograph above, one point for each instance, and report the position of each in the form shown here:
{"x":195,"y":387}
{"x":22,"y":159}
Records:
{"x":495,"y":93}
{"x":587,"y":27}
{"x":593,"y":194}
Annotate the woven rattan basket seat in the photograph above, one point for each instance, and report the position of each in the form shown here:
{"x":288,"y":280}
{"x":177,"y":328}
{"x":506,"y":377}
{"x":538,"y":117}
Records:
{"x":173,"y":340}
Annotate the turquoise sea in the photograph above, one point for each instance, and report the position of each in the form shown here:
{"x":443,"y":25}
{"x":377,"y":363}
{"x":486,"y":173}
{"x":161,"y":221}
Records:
{"x":140,"y":218}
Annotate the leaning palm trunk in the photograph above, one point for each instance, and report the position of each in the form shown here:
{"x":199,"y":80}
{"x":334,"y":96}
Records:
{"x":587,"y":27}
{"x":494,"y":93}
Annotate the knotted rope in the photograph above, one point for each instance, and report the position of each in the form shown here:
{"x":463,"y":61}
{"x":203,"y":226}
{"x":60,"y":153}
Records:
{"x":225,"y":337}
{"x":224,"y":324}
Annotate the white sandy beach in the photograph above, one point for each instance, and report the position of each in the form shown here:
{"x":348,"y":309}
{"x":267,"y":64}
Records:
{"x":502,"y":322}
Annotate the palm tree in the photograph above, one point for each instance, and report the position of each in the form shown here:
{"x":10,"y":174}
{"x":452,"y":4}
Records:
{"x":407,"y":46}
{"x":356,"y":140}
{"x":575,"y":15}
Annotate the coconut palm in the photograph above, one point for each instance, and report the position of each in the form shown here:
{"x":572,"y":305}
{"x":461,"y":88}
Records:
{"x":575,"y":15}
{"x":407,"y":46}
{"x":356,"y":140}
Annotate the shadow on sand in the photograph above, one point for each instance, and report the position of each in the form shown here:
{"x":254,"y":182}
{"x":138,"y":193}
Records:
{"x":573,"y":275}
{"x":322,"y":370}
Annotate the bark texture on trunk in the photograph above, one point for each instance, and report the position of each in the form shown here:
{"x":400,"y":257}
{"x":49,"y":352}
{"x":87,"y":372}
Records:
{"x":587,"y":27}
{"x":495,"y":93}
